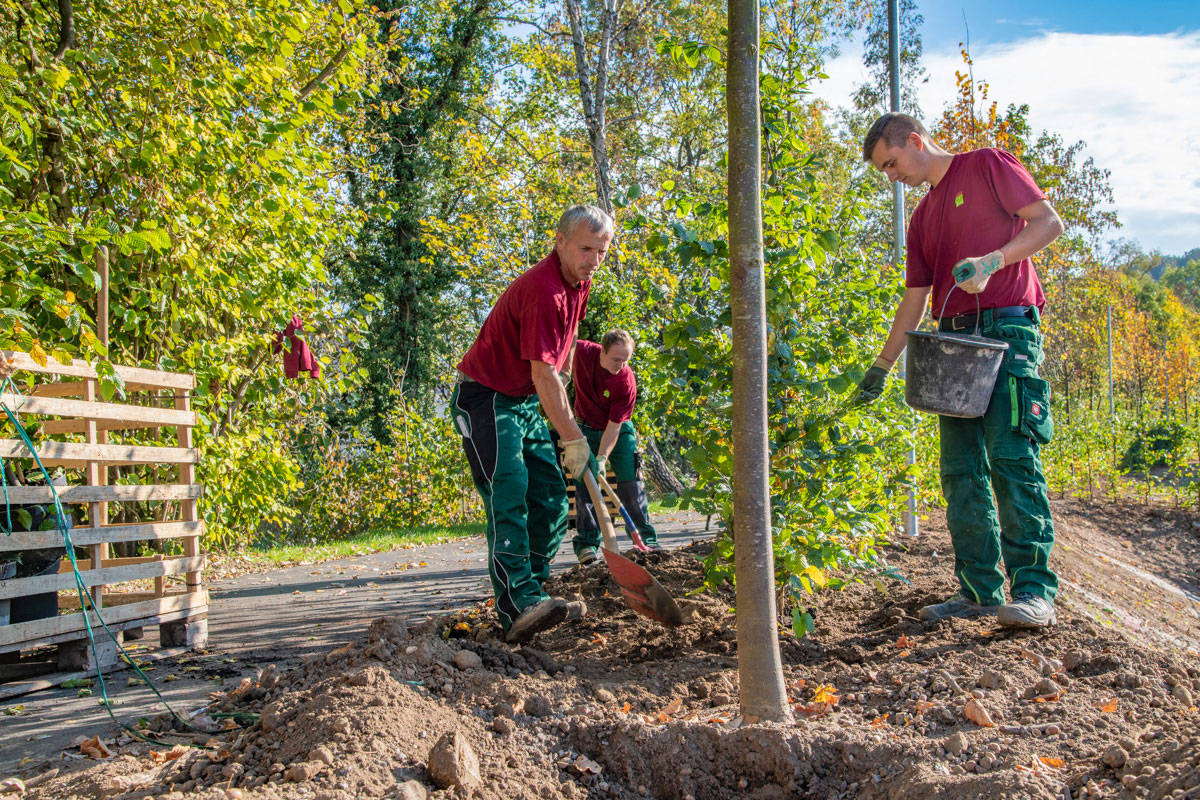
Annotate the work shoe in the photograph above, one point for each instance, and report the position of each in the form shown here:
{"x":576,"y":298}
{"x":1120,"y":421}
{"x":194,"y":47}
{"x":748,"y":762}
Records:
{"x":576,"y":610}
{"x":1027,"y":611}
{"x":587,"y":555}
{"x":957,"y":606}
{"x":535,"y":619}
{"x":653,"y":547}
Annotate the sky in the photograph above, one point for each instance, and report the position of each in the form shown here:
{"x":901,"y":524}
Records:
{"x":1123,"y":77}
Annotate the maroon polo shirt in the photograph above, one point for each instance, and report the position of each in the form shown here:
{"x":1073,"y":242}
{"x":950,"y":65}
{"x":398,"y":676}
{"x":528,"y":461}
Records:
{"x":600,"y":396}
{"x":535,"y":319}
{"x":971,"y":212}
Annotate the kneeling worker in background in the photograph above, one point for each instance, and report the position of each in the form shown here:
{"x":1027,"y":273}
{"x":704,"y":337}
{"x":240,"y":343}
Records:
{"x":976,"y":229}
{"x":605,"y":394}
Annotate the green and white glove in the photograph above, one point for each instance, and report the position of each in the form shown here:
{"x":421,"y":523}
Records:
{"x":873,"y":383}
{"x":601,"y":465}
{"x":971,"y":274}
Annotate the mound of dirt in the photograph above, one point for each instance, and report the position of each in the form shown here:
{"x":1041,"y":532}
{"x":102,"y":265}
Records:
{"x":616,"y":706}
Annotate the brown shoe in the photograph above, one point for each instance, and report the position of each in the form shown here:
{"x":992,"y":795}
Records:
{"x":536,"y":618}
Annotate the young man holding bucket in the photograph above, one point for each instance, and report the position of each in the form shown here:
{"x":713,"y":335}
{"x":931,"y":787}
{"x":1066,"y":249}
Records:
{"x":605,"y":394}
{"x":974,"y":232}
{"x":526,"y":341}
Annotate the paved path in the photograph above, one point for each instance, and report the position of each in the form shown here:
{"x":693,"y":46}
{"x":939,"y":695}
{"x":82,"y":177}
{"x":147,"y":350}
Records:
{"x":280,"y":617}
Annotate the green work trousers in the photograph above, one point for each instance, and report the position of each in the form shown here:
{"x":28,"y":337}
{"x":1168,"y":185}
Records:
{"x":627,"y":467}
{"x":515,"y":469}
{"x":999,"y":452}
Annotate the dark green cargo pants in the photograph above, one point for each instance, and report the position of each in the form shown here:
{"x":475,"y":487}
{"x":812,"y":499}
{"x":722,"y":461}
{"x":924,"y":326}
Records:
{"x":515,"y":468}
{"x":627,"y":467}
{"x":999,"y":452}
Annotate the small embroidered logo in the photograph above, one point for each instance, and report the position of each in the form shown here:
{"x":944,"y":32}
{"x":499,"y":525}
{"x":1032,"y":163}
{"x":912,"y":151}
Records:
{"x":606,"y":394}
{"x":958,"y":200}
{"x":1036,"y":408}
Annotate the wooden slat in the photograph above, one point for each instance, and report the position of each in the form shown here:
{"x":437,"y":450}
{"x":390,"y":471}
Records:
{"x":69,"y":626}
{"x":76,"y":388}
{"x":113,"y":494}
{"x":82,"y":369}
{"x":107,"y":453}
{"x":112,"y":600}
{"x":111,"y":412}
{"x":22,"y":587}
{"x":153,"y":531}
{"x":85,"y":564}
{"x":51,"y":427}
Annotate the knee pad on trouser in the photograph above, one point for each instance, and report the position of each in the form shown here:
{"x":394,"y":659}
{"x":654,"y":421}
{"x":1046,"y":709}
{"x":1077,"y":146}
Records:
{"x":633,"y":497}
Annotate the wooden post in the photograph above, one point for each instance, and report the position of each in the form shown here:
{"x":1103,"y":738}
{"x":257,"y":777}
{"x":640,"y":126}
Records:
{"x":190,"y":632}
{"x":97,"y":471}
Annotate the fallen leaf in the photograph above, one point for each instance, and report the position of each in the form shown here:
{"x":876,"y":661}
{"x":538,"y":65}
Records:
{"x":975,"y":712}
{"x":673,"y":707}
{"x":94,"y":748}
{"x":826,"y":693}
{"x":585,"y":766}
{"x":1052,"y":762}
{"x":903,"y":642}
{"x":921,"y":706}
{"x":1109,"y":706}
{"x":625,"y":708}
{"x":163,"y":756}
{"x":879,"y":722}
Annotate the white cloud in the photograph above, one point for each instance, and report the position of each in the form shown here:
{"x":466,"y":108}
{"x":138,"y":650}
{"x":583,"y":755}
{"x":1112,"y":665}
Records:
{"x":1135,"y":101}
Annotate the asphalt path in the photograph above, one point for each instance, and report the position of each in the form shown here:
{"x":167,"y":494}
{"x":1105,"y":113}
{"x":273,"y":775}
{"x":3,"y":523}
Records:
{"x":276,"y":617}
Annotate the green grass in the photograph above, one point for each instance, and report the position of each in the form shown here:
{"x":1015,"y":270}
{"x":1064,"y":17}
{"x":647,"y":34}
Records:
{"x":370,"y":542}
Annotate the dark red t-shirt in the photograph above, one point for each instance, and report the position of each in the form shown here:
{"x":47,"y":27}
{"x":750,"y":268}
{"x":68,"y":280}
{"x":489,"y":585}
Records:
{"x":600,"y":396}
{"x":971,"y":212}
{"x":535,"y":319}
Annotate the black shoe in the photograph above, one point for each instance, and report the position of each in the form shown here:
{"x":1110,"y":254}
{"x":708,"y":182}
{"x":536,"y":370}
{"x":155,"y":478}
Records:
{"x":957,"y":606}
{"x":535,"y":619}
{"x":1027,"y":611}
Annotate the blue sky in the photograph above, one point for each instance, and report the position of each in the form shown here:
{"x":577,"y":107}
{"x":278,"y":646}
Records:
{"x":1019,"y":19}
{"x":1124,"y":78}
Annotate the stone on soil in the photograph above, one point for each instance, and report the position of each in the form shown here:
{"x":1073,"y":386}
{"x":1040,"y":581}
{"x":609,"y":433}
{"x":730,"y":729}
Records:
{"x":1114,"y":756}
{"x":452,"y":763}
{"x":467,"y":659}
{"x":538,"y":706}
{"x":411,"y":790}
{"x":306,"y":771}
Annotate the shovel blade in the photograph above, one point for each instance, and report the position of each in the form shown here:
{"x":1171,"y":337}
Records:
{"x":644,"y":594}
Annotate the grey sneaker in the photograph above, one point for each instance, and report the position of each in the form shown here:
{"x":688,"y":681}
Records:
{"x":535,"y":619}
{"x":576,"y":610}
{"x":1027,"y":611}
{"x":957,"y":606}
{"x":588,"y":555}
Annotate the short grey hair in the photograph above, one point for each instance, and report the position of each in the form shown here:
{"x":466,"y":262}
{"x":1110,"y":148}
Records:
{"x":597,"y":219}
{"x":894,"y":129}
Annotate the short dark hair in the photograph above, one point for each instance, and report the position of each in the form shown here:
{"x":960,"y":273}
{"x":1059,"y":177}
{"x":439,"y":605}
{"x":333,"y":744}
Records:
{"x":894,"y":129}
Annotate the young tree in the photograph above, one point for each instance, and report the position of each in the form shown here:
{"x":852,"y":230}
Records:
{"x":760,"y":669}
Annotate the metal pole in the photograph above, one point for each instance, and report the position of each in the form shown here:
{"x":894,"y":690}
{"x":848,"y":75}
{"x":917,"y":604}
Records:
{"x":909,"y":518}
{"x":1111,"y":410}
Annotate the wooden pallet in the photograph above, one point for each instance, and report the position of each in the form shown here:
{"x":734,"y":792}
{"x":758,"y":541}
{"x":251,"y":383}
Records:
{"x":169,"y":591}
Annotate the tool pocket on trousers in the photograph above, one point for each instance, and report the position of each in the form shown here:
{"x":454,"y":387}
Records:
{"x":1024,"y":347}
{"x":1031,"y":408}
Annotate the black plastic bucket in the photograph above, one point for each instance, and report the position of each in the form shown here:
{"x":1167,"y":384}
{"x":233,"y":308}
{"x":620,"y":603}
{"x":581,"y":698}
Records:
{"x":951,"y":374}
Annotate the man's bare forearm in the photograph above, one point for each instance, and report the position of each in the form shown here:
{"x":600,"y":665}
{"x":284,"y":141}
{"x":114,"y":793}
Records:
{"x":553,"y":398}
{"x":908,"y":317}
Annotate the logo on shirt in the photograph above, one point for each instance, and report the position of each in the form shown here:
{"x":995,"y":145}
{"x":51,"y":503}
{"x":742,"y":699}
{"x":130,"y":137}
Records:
{"x":606,"y":394}
{"x":958,"y":200}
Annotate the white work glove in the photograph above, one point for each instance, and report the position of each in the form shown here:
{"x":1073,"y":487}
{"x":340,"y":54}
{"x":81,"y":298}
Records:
{"x":576,"y":456}
{"x":601,"y":465}
{"x":971,"y":274}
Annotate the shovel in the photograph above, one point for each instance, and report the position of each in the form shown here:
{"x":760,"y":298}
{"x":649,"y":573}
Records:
{"x":630,"y":527}
{"x":644,"y":594}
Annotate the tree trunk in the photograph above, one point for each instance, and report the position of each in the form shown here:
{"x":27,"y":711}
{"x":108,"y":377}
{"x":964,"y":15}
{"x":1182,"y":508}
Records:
{"x":592,"y":95}
{"x":661,"y":476}
{"x":760,"y":669}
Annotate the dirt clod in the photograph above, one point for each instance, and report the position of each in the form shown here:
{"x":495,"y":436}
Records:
{"x":452,"y":763}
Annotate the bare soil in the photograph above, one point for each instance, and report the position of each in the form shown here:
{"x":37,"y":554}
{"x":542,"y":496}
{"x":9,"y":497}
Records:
{"x":614,"y":706}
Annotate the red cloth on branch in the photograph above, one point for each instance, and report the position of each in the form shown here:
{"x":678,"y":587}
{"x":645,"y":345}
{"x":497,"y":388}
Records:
{"x":299,"y":358}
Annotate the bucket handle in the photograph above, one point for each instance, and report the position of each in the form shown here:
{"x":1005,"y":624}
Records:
{"x":978,"y":314}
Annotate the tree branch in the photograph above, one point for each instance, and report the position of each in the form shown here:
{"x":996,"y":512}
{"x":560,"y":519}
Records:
{"x":66,"y":32}
{"x":324,"y":74}
{"x":532,"y":24}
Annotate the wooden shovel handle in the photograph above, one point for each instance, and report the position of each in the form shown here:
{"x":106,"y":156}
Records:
{"x":602,"y":517}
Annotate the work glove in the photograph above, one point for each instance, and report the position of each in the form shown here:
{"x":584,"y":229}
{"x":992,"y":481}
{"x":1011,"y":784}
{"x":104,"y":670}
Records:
{"x":971,"y":274}
{"x":601,"y":465}
{"x":873,"y":383}
{"x":576,"y":457}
